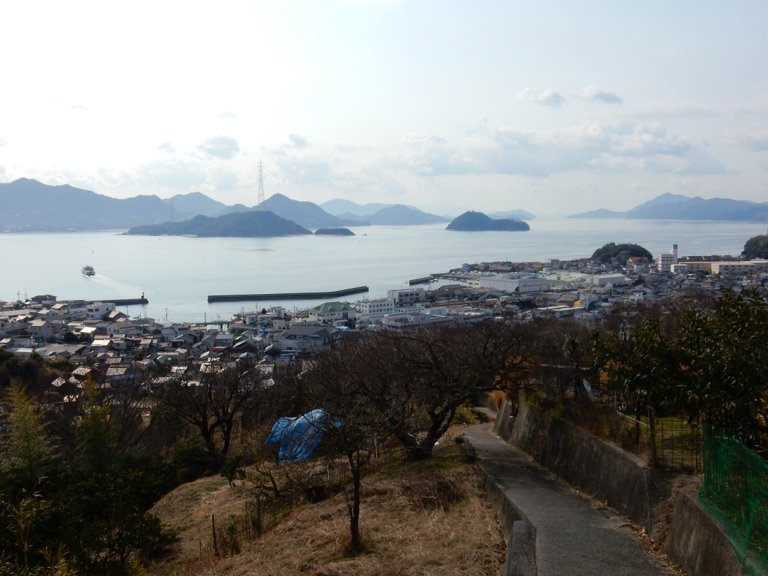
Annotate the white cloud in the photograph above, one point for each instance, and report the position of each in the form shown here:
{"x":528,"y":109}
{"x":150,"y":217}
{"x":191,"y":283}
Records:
{"x":547,"y":97}
{"x":220,"y":147}
{"x":676,"y":110}
{"x":754,"y":143}
{"x":297,"y":141}
{"x":223,"y":179}
{"x":588,"y":146}
{"x":371,"y":2}
{"x":429,"y":154}
{"x":596,"y":94}
{"x":179,"y":174}
{"x":702,"y":163}
{"x":297,"y":167}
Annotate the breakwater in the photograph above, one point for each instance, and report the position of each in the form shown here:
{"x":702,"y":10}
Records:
{"x":422,"y":280}
{"x":287,"y":295}
{"x":125,"y":301}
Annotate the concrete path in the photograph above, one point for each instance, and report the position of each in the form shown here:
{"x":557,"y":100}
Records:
{"x":553,"y":530}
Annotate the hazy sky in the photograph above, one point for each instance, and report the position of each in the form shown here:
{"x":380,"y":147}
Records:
{"x":553,"y":107}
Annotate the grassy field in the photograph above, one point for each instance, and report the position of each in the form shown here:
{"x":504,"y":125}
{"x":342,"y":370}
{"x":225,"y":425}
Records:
{"x":417,"y":519}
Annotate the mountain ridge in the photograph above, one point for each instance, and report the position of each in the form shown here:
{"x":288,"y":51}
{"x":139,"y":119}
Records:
{"x":306,"y":214}
{"x":31,"y":206}
{"x":402,"y":215}
{"x":679,"y":207}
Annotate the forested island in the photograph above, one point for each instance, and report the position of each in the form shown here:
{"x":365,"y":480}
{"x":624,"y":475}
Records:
{"x":251,"y":224}
{"x":334,"y":232}
{"x":478,"y":222}
{"x":756,"y":247}
{"x":621,"y":253}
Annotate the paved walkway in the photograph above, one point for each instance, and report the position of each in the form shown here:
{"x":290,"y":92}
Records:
{"x":564,"y":534}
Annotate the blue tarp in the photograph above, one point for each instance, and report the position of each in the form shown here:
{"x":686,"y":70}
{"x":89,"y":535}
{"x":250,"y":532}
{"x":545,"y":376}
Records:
{"x":298,"y":436}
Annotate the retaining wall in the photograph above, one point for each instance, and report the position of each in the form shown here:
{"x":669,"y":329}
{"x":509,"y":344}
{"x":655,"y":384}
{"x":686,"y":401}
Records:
{"x":697,"y":542}
{"x":691,"y":536}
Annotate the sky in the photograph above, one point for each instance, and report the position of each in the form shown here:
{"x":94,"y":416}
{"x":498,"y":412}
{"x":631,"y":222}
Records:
{"x":554,"y":107}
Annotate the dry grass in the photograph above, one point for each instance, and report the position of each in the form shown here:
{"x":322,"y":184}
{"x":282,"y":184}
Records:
{"x":417,"y":519}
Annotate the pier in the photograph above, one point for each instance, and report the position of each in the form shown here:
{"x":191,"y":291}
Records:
{"x":423,"y":280}
{"x":287,"y":295}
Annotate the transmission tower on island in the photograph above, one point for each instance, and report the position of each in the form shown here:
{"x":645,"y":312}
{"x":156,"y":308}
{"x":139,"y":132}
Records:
{"x":261,"y":183}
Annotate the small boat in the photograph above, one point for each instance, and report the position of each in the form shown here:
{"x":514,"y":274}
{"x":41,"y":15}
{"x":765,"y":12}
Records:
{"x":88,"y":271}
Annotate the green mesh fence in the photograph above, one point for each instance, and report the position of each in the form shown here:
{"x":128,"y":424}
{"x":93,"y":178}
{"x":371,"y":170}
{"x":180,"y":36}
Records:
{"x":735,"y":490}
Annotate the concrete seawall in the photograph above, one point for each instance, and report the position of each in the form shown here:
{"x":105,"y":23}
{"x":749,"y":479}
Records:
{"x":125,"y":301}
{"x":287,"y":295}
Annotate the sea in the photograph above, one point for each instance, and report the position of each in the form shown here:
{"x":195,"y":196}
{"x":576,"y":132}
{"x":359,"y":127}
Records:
{"x":176,"y":274}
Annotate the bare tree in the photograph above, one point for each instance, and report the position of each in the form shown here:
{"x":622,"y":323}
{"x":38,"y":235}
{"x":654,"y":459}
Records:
{"x":446,"y":368}
{"x":416,"y":381}
{"x":354,"y":425}
{"x":213,"y":403}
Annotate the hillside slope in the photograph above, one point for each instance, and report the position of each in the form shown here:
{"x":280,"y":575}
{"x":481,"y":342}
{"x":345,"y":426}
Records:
{"x":426,"y":518}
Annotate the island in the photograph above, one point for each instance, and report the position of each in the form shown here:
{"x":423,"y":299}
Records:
{"x":251,"y":224}
{"x":756,"y":247}
{"x":334,"y":232}
{"x":679,"y":207}
{"x":478,"y":222}
{"x":621,"y":253}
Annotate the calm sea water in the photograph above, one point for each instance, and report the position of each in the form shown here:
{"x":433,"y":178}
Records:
{"x":177,"y":274}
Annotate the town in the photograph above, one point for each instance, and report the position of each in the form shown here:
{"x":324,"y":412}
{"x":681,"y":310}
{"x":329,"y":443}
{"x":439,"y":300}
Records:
{"x":113,"y":349}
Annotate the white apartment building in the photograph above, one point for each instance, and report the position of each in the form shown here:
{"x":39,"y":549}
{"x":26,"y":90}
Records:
{"x":664,"y":262}
{"x":515,"y":284}
{"x":376,"y":308}
{"x":738,"y":269}
{"x":97,"y":310}
{"x":610,"y":279}
{"x":407,"y":295}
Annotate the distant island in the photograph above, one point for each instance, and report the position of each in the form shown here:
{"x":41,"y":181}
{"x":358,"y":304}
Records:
{"x":306,"y":214}
{"x":678,"y":207}
{"x":756,"y":247}
{"x":621,"y":253}
{"x":381,"y":214}
{"x":401,"y":215}
{"x":251,"y":224}
{"x":479,"y":222}
{"x":513,"y":214}
{"x":334,"y":232}
{"x":31,"y":206}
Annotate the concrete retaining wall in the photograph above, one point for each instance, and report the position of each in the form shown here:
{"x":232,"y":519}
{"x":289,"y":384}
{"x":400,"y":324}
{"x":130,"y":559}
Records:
{"x":692,"y":537}
{"x":698,"y":542}
{"x":520,"y":533}
{"x":597,"y":467}
{"x":619,"y":478}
